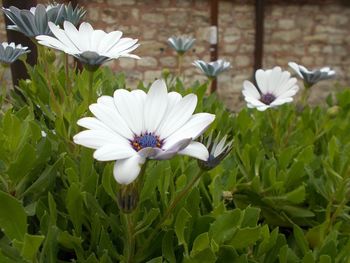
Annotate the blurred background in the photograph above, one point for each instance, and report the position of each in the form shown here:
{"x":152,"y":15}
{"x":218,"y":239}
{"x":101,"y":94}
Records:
{"x":251,"y":34}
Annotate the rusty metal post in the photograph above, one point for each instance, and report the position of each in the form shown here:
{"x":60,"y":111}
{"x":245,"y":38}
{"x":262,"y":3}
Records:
{"x":259,"y":33}
{"x":18,"y":69}
{"x":214,"y":9}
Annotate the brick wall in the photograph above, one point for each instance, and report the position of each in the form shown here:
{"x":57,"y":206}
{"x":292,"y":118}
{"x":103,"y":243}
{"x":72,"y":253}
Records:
{"x":312,"y":32}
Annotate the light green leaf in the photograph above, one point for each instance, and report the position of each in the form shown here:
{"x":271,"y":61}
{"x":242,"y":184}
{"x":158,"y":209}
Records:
{"x":13,"y":218}
{"x":31,"y":246}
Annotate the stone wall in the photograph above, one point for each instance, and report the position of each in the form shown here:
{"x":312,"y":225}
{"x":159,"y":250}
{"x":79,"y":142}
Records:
{"x":312,"y":32}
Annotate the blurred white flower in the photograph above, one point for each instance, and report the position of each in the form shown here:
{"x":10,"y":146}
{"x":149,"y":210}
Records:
{"x":181,"y":43}
{"x":212,"y":69}
{"x":91,"y":47}
{"x":218,"y":150}
{"x":34,"y":22}
{"x":9,"y":53}
{"x":134,"y":126}
{"x":312,"y":77}
{"x":274,"y":87}
{"x":73,"y":14}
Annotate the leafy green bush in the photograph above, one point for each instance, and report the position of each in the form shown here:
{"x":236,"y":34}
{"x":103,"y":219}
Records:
{"x":282,"y":195}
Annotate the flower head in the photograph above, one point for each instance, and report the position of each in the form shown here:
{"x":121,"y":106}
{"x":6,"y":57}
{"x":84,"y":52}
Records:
{"x":33,"y":22}
{"x":73,"y":15}
{"x":131,"y":127}
{"x":91,"y":47}
{"x":212,"y":69}
{"x":274,"y":87}
{"x":9,"y":53}
{"x":218,"y":150}
{"x":181,"y":43}
{"x":312,"y":77}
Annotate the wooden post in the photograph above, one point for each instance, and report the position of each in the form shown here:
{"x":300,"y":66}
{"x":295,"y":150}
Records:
{"x":259,"y":33}
{"x":18,"y":69}
{"x":214,"y":7}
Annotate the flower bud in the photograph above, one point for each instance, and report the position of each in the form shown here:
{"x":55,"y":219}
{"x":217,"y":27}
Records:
{"x":333,"y":111}
{"x":128,"y":198}
{"x":50,"y":56}
{"x":218,"y":150}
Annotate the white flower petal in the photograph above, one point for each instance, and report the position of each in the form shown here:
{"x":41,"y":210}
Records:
{"x":131,"y":106}
{"x":107,"y":101}
{"x":155,"y":105}
{"x":93,"y":124}
{"x":126,"y":171}
{"x":279,"y":101}
{"x":85,"y":32}
{"x":112,"y":119}
{"x":261,"y":77}
{"x":192,"y":129}
{"x":111,"y":152}
{"x":178,"y":116}
{"x":295,"y":67}
{"x":109,"y":41}
{"x":250,"y":90}
{"x":98,"y":138}
{"x":196,"y":150}
{"x":52,"y":43}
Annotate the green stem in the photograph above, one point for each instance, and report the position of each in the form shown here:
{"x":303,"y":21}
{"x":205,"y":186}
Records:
{"x":179,"y":64}
{"x":130,"y":248}
{"x":66,"y":67}
{"x":4,"y":85}
{"x":91,"y":82}
{"x":170,"y":209}
{"x":274,"y":126}
{"x":305,"y":95}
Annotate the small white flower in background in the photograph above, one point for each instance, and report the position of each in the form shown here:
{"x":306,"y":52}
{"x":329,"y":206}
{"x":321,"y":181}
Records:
{"x":131,"y":127}
{"x":181,"y":43}
{"x":33,"y":22}
{"x":9,"y":53}
{"x":312,"y":77}
{"x":218,"y":150}
{"x":274,"y":87}
{"x":212,"y":69}
{"x":91,"y":47}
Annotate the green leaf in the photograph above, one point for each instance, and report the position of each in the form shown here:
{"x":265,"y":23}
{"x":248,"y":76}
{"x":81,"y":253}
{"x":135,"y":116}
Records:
{"x":168,"y":247}
{"x":325,"y":259}
{"x":74,"y":201}
{"x":156,"y":260}
{"x":250,"y":217}
{"x":245,"y":237}
{"x":181,"y":222}
{"x":13,"y":218}
{"x":296,"y":196}
{"x":23,"y":163}
{"x":147,"y":221}
{"x":200,"y":243}
{"x":308,"y":258}
{"x":224,"y":227}
{"x":300,"y":239}
{"x":31,"y":246}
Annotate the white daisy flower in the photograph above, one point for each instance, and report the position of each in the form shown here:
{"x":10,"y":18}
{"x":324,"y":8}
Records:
{"x":131,"y":127}
{"x":33,"y":22}
{"x":91,"y":47}
{"x":9,"y":53}
{"x":218,"y":150}
{"x":275,"y":87}
{"x":181,"y":43}
{"x":212,"y":69}
{"x":312,"y":77}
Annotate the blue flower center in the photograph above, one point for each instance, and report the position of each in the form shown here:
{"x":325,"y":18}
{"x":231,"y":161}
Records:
{"x":146,"y":140}
{"x":267,"y":98}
